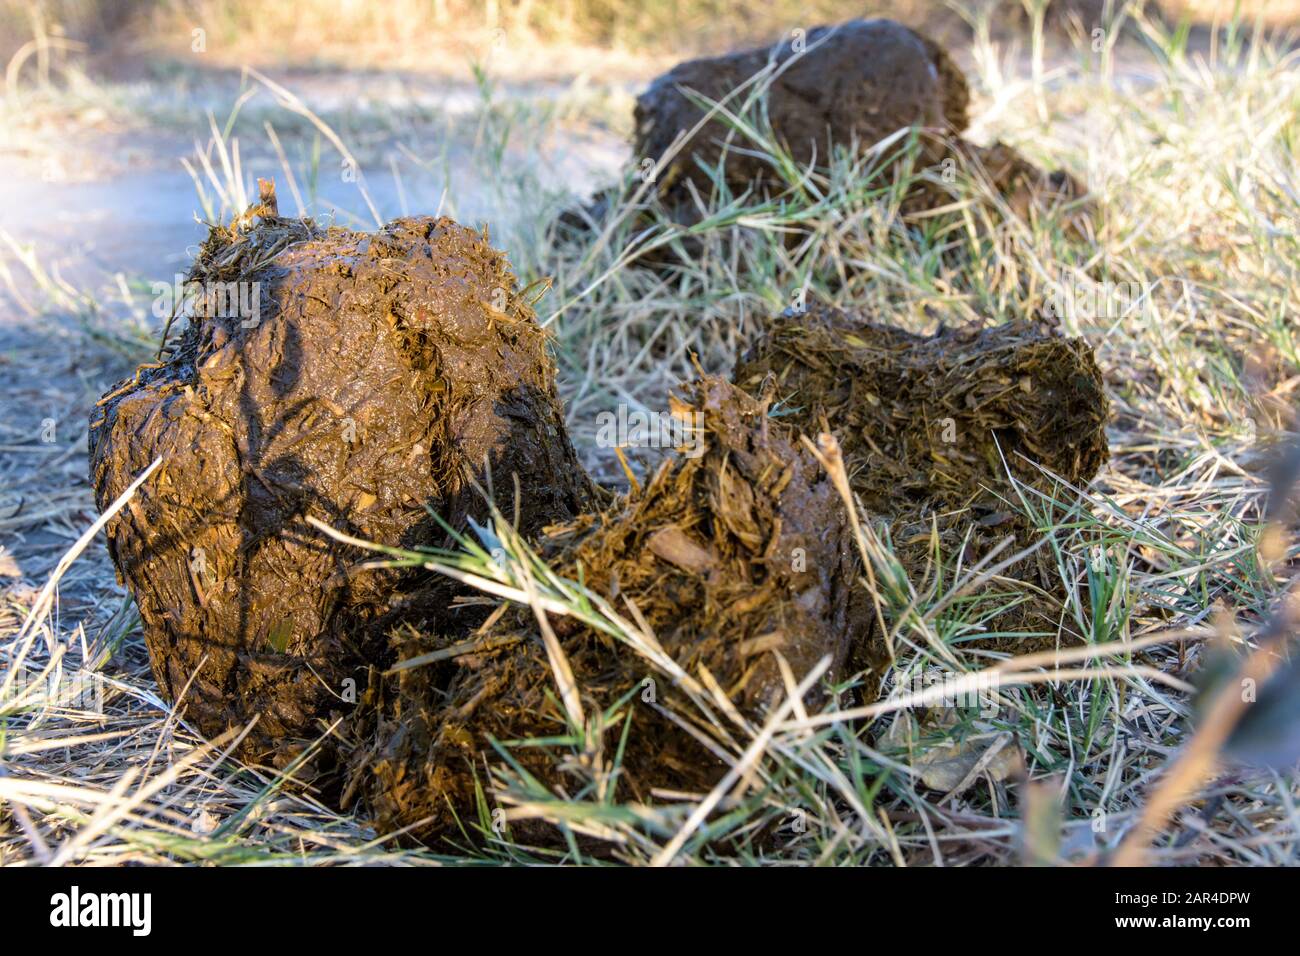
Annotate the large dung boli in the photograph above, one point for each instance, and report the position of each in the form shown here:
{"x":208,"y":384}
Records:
{"x":379,"y":380}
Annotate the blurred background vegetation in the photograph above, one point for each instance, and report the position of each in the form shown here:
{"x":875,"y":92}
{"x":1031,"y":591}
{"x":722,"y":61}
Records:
{"x":420,"y":34}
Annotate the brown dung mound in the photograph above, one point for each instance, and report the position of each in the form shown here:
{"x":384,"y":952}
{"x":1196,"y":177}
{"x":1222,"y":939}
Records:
{"x":846,"y":86}
{"x":729,"y":556}
{"x":921,"y":419}
{"x":929,"y":426}
{"x":375,"y":374}
{"x":857,"y":82}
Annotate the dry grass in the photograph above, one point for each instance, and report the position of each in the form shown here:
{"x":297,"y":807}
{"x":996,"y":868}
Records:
{"x":1195,"y":165}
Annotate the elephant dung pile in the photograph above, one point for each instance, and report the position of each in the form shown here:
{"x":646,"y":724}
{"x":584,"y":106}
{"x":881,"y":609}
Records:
{"x":735,"y":556}
{"x":931,"y":426}
{"x":858,"y":82}
{"x":363,"y":380}
{"x":938,"y":418}
{"x":844,"y":87}
{"x":370,"y":382}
